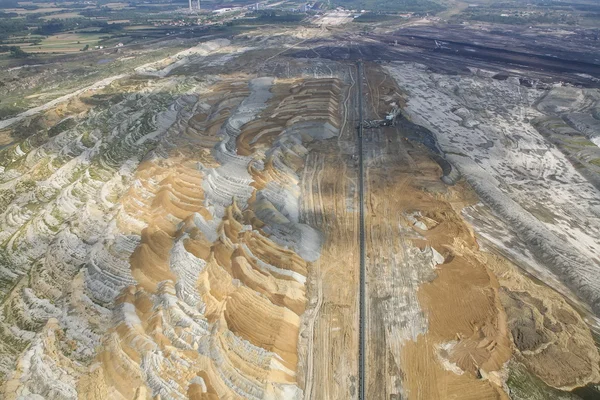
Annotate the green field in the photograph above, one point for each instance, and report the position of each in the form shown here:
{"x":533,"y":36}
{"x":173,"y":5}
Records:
{"x":65,"y":43}
{"x":65,"y":15}
{"x":416,"y":6}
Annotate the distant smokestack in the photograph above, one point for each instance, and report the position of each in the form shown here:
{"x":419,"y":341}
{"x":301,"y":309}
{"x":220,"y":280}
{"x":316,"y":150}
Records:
{"x":198,"y":5}
{"x":190,"y":5}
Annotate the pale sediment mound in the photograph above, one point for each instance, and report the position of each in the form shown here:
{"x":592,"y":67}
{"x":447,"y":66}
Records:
{"x":276,"y":176}
{"x":436,"y":325}
{"x":478,"y":335}
{"x":549,"y":335}
{"x":68,"y":180}
{"x":581,"y":274}
{"x":262,"y":326}
{"x":540,"y":197}
{"x":45,"y":367}
{"x":492,"y":331}
{"x":176,"y":282}
{"x":467,"y":335}
{"x":163,"y":67}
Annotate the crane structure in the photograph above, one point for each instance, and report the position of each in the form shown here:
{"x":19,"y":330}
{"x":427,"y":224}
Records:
{"x":389,"y":120}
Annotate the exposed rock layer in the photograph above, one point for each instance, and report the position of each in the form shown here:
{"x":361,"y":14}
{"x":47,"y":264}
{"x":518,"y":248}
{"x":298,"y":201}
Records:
{"x":163,"y":226}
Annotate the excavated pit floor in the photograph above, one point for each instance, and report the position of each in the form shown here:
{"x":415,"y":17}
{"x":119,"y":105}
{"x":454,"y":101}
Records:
{"x":192,"y":232}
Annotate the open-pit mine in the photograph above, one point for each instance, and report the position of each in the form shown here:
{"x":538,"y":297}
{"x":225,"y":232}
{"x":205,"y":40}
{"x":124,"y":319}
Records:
{"x":312,"y":214}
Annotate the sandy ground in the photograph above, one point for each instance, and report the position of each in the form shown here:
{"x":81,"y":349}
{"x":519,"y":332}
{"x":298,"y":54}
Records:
{"x":330,"y":203}
{"x":198,"y":238}
{"x":334,"y":18}
{"x":331,"y":369}
{"x":441,"y":324}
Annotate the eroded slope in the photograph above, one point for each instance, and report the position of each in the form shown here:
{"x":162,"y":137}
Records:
{"x":152,"y":243}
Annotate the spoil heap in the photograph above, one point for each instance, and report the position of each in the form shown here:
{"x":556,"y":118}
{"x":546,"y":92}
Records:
{"x":168,"y":254}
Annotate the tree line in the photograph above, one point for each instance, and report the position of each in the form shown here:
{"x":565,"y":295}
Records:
{"x":21,"y":26}
{"x":15,"y":51}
